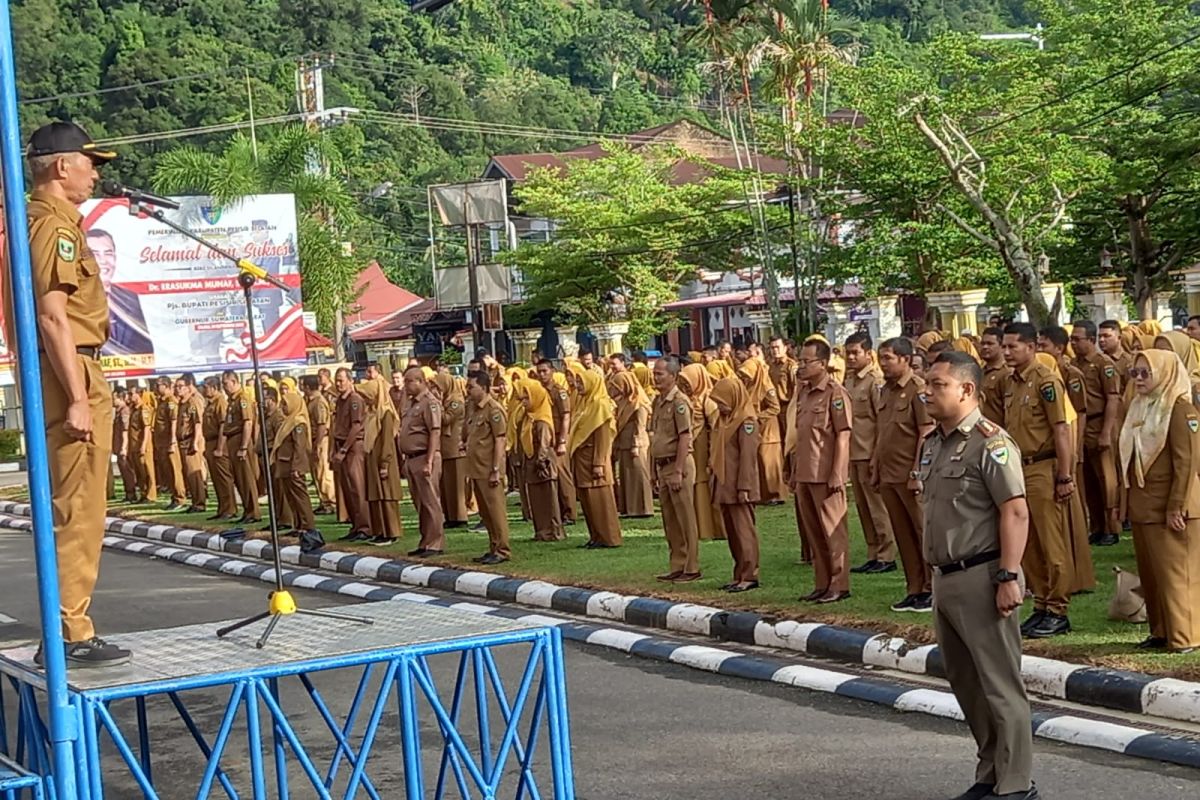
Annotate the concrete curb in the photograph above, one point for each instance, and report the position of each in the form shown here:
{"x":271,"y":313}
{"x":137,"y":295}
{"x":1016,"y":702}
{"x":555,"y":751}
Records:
{"x":1123,"y":739}
{"x":1121,"y":690}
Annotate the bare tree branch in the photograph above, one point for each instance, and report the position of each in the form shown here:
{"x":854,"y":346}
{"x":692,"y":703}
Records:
{"x":983,"y":238}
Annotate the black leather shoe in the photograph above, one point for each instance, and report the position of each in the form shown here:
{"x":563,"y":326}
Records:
{"x":1029,"y":794}
{"x":1152,"y":643}
{"x":311,"y":541}
{"x":458,"y":523}
{"x":861,"y":568}
{"x":491,"y":559}
{"x":977,"y":792}
{"x":1106,"y":540}
{"x":882,"y":566}
{"x":1034,"y":620}
{"x":1051,"y":625}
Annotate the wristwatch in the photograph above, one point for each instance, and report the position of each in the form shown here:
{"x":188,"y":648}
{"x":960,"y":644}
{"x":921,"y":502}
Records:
{"x":1004,"y":576}
{"x":1063,"y":480}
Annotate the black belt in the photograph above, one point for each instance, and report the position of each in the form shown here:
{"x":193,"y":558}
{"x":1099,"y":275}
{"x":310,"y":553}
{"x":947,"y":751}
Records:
{"x":662,"y":462}
{"x":967,"y":563}
{"x":91,"y":352}
{"x":416,"y":454}
{"x":1039,"y":457}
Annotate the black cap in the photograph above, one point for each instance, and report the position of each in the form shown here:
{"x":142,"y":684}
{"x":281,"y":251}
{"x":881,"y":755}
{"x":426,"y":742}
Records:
{"x":65,"y":137}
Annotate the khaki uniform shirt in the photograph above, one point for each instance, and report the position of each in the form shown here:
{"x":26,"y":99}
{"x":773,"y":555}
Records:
{"x":671,"y":418}
{"x":349,"y":418}
{"x":164,"y":423}
{"x":783,"y":375}
{"x":191,"y":416}
{"x":966,"y":475}
{"x":1035,"y":402}
{"x":741,"y":466}
{"x":61,"y":261}
{"x":1099,"y":381}
{"x":484,"y":425}
{"x":991,"y":394}
{"x":863,"y":387}
{"x":899,"y":413}
{"x":823,"y":410}
{"x":120,"y":427}
{"x":292,"y":454}
{"x":214,"y":417}
{"x":421,"y":425}
{"x":454,"y":414}
{"x":560,"y":406}
{"x":318,"y":416}
{"x":236,"y":412}
{"x":1123,"y":363}
{"x":139,"y":421}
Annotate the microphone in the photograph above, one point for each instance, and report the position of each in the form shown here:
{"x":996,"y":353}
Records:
{"x":111,"y":188}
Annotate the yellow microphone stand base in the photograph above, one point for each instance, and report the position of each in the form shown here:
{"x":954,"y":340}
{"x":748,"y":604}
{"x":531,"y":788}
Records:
{"x":281,"y":604}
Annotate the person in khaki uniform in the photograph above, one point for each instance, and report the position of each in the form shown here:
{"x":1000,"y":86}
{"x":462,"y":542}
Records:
{"x":1035,"y":414}
{"x":539,"y":464}
{"x":820,"y":467}
{"x":995,"y":375}
{"x":483,"y":435}
{"x":453,"y":483}
{"x":235,"y":444}
{"x":1102,"y":390}
{"x":590,"y":450}
{"x":555,"y":383}
{"x":863,"y":382}
{"x":121,"y":416}
{"x":675,"y":472}
{"x":284,"y":519}
{"x":419,"y":441}
{"x":384,"y":489}
{"x":973,"y":490}
{"x":167,"y":463}
{"x":733,"y":458}
{"x":695,"y":382}
{"x":1160,"y":458}
{"x":754,"y":375}
{"x":189,"y":438}
{"x":220,"y":469}
{"x":290,"y":452}
{"x":781,"y":368}
{"x":1109,"y":340}
{"x":348,"y":457}
{"x":632,"y":446}
{"x":901,"y":423}
{"x":141,"y":457}
{"x":320,"y":415}
{"x":73,"y":325}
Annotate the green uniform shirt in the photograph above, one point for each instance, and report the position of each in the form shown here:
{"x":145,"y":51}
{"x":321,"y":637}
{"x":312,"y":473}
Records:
{"x":967,"y":474}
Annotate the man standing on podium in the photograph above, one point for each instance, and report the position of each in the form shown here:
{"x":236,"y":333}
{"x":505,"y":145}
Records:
{"x":72,"y":320}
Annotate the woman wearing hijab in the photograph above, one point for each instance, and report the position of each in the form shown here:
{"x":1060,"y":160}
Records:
{"x":540,"y":468}
{"x":733,"y":458}
{"x":514,"y":411}
{"x":1188,"y":350}
{"x":454,"y":481}
{"x":964,"y":344}
{"x":284,"y":519}
{"x":718,"y":369}
{"x":1159,"y":453}
{"x":593,"y":429}
{"x":763,"y":398}
{"x":1077,"y":527}
{"x":632,"y":445}
{"x":384,"y":490}
{"x":695,"y":382}
{"x":645,"y":377}
{"x":290,"y":457}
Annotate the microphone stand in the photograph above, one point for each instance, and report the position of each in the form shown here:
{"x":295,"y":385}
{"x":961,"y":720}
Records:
{"x":280,"y":601}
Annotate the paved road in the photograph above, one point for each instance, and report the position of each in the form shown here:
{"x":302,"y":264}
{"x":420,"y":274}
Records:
{"x":642,"y":730}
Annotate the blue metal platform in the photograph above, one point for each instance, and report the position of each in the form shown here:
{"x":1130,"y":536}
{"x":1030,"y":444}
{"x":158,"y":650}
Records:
{"x":433,"y":711}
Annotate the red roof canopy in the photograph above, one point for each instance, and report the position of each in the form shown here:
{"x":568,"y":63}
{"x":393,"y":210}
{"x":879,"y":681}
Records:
{"x":378,"y":299}
{"x":315,"y":341}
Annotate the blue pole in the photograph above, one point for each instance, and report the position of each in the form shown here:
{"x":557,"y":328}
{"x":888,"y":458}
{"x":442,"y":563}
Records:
{"x":63,"y":728}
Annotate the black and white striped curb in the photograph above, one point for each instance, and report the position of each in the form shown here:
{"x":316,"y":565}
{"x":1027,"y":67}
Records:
{"x":1121,"y":690}
{"x":1067,"y":729}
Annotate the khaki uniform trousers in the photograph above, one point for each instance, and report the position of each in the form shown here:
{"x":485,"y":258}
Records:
{"x":245,"y":477}
{"x":872,"y":514}
{"x":824,"y":513}
{"x":424,"y":491}
{"x":352,"y":487}
{"x":128,"y":477}
{"x":78,"y":474}
{"x":908,"y":526}
{"x":193,"y":478}
{"x":566,"y":489}
{"x":169,"y":469}
{"x":221,"y":471}
{"x":742,"y":530}
{"x":1100,"y":489}
{"x":294,"y":489}
{"x":982,"y":655}
{"x":679,"y":518}
{"x":493,"y":511}
{"x":323,"y":476}
{"x":1169,"y":567}
{"x":1047,"y":562}
{"x":453,"y":489}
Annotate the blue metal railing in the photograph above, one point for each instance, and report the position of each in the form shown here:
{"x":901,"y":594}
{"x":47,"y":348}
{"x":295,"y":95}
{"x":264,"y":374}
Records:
{"x":63,"y":726}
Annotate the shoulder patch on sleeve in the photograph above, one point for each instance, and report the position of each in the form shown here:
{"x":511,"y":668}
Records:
{"x":838,"y":403}
{"x":66,"y":244}
{"x":562,"y":395}
{"x":997,"y":450}
{"x":1076,"y":386}
{"x":680,"y":408}
{"x":748,"y":427}
{"x":495,"y":417}
{"x":1109,"y":372}
{"x":1048,"y":393}
{"x":1193,"y":424}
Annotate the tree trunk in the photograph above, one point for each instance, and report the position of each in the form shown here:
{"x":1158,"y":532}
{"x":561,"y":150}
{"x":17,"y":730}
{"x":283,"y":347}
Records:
{"x":1142,"y":255}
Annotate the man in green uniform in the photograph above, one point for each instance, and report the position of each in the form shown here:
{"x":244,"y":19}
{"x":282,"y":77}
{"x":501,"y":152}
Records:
{"x":72,"y":326}
{"x":973,"y":489}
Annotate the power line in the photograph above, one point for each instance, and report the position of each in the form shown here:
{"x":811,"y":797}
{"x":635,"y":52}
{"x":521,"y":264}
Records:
{"x":180,"y":133}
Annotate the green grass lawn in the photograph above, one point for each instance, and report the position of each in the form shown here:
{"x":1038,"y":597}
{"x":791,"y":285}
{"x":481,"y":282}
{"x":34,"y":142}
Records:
{"x":631,"y":569}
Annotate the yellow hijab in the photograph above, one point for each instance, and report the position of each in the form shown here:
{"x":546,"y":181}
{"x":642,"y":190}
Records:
{"x":294,"y":413}
{"x":964,"y":345}
{"x":928,"y":338}
{"x":1150,"y":327}
{"x":1144,"y":434}
{"x":513,"y":407}
{"x":645,"y":377}
{"x":447,"y":387}
{"x":732,"y":394}
{"x":697,"y":384}
{"x":757,"y":380}
{"x":630,"y":396}
{"x":375,"y":392}
{"x":1188,"y":350}
{"x":719,"y":368}
{"x":592,"y":407}
{"x":1050,"y":362}
{"x":289,"y":384}
{"x":539,"y":410}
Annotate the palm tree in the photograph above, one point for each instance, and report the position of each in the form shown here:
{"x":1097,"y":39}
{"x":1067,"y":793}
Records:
{"x":297,"y":161}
